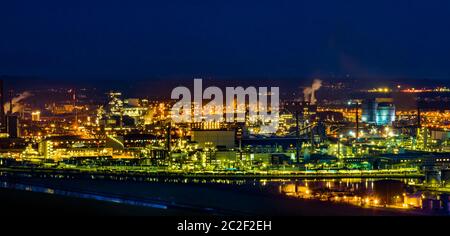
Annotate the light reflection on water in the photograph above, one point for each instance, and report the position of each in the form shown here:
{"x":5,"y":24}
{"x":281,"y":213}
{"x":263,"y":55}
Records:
{"x":46,"y":190}
{"x":387,"y":193}
{"x":373,"y":193}
{"x":350,"y":191}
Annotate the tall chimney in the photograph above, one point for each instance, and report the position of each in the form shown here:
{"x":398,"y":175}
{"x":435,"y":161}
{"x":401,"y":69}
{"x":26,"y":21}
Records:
{"x":419,"y":124}
{"x":2,"y":102}
{"x":10,"y":102}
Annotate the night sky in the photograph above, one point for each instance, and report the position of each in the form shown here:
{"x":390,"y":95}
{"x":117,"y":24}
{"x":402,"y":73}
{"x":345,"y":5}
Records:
{"x":186,"y":38}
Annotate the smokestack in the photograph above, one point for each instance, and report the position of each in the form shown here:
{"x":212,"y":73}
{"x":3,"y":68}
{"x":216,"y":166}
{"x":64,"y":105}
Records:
{"x":2,"y":110}
{"x":10,"y":102}
{"x":419,"y":124}
{"x":14,"y":104}
{"x":168,"y":137}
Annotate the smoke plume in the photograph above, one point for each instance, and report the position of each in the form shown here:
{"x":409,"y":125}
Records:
{"x":309,"y":92}
{"x":16,"y":106}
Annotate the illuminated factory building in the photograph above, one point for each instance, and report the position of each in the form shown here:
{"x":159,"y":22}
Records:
{"x":36,"y":116}
{"x":379,"y":111}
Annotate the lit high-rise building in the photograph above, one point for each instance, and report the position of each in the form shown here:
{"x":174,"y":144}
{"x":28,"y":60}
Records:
{"x":46,"y":149}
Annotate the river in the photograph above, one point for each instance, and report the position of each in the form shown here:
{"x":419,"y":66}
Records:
{"x":219,"y":196}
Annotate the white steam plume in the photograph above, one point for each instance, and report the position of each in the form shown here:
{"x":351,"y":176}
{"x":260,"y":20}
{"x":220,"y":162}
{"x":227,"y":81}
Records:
{"x":15,"y":102}
{"x":309,"y":92}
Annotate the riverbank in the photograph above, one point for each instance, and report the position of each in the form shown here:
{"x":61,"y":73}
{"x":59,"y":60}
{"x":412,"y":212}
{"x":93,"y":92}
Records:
{"x":139,"y":173}
{"x":437,"y":189}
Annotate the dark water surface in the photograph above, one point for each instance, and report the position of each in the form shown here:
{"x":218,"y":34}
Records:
{"x":181,"y":196}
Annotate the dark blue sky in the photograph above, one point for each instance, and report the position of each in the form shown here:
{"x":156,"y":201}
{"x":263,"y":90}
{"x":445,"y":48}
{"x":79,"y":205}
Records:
{"x":185,"y":38}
